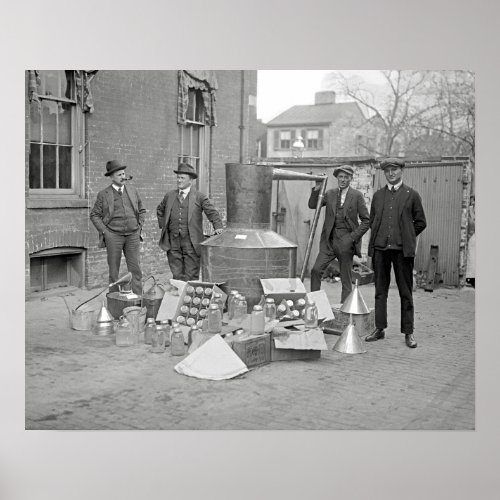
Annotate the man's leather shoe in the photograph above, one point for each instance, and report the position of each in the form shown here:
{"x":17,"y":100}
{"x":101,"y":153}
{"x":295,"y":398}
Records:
{"x":376,"y":335}
{"x":410,"y":340}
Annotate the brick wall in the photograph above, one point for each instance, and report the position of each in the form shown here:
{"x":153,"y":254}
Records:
{"x":135,"y":122}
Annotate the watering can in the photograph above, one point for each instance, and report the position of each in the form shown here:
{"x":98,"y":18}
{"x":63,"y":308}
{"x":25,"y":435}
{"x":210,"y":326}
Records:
{"x":152,"y":298}
{"x":84,"y":319}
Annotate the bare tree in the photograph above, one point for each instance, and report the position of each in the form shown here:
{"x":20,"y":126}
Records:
{"x":394,"y":110}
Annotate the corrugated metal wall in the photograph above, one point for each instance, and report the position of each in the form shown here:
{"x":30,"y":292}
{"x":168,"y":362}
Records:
{"x":441,"y":187}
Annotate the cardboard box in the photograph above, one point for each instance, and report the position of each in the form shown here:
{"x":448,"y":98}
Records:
{"x":283,"y":288}
{"x":363,"y":274}
{"x":197,"y":317}
{"x":253,"y":351}
{"x":365,"y":323}
{"x":293,"y":354}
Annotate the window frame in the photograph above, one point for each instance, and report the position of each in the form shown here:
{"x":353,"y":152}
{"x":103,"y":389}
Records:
{"x":51,"y":196}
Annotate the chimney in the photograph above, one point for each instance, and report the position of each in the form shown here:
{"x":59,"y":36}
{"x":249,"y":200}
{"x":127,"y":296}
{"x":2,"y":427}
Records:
{"x":324,"y":97}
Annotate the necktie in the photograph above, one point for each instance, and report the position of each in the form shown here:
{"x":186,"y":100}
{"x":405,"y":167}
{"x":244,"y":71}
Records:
{"x":120,"y":191}
{"x":393,"y":189}
{"x":181,"y":196}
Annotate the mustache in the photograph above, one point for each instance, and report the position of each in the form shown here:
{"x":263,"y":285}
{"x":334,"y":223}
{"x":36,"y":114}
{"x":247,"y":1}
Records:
{"x":129,"y":178}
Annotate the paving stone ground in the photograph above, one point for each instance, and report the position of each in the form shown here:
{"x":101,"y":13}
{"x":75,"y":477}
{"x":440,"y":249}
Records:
{"x":77,"y":380}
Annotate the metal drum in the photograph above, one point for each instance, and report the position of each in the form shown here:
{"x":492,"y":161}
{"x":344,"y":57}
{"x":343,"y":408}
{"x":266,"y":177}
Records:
{"x":117,"y":302}
{"x":248,"y":249}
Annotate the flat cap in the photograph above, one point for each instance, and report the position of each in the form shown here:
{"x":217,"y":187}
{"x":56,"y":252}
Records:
{"x":391,"y":162}
{"x":347,"y":169}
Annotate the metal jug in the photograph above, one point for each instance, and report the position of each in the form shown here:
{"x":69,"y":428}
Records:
{"x":152,"y":298}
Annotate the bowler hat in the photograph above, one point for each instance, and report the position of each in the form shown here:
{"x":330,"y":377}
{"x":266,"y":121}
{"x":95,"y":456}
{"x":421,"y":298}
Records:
{"x":347,"y":169}
{"x":392,"y":162}
{"x":112,"y":166}
{"x":186,"y":168}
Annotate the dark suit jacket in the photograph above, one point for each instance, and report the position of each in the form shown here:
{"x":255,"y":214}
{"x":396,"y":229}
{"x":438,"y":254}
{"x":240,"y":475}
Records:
{"x":103,"y":209}
{"x":411,"y":218}
{"x":354,"y":209}
{"x":197,"y":204}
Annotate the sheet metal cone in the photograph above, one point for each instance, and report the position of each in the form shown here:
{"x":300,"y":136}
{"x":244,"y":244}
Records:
{"x":355,"y":304}
{"x":349,"y":342}
{"x":104,"y":315}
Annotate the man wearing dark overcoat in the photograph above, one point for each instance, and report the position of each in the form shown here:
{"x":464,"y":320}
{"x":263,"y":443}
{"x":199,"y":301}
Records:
{"x":396,"y":219}
{"x":180,"y":219}
{"x":342,"y":231}
{"x":118,"y":215}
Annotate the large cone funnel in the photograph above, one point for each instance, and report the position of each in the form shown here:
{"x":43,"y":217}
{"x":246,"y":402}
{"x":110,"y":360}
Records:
{"x":355,"y":304}
{"x":349,"y":342}
{"x":104,"y":315}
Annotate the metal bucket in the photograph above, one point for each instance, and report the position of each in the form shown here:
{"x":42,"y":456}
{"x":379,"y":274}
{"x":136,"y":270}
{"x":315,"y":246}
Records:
{"x":140,"y":311}
{"x":116,"y":303}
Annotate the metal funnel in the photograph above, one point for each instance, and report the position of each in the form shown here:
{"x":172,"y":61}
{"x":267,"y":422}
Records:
{"x":104,"y":315}
{"x":349,"y":342}
{"x":355,"y":304}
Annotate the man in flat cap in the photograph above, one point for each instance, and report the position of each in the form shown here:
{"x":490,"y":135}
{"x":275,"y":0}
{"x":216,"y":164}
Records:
{"x":119,"y":215}
{"x":396,"y":219}
{"x":180,"y":219}
{"x":342,"y":231}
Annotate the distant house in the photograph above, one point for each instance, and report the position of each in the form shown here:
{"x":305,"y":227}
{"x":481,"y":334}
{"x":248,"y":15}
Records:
{"x":327,"y":129}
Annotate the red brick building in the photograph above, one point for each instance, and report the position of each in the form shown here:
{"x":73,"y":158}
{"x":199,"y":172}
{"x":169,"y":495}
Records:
{"x":149,"y":120}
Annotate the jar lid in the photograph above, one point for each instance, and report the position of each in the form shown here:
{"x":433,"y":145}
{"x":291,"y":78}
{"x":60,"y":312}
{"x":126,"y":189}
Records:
{"x":270,"y":299}
{"x":214,"y":306}
{"x":257,"y":308}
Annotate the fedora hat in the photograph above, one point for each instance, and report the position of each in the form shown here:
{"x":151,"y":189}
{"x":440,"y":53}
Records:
{"x":347,"y":169}
{"x":112,"y":166}
{"x":186,"y":168}
{"x":392,"y":162}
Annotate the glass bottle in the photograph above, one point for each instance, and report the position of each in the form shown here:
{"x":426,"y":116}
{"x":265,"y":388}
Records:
{"x":177,"y":347}
{"x":187,"y":299}
{"x":300,"y":305}
{"x":205,"y":302}
{"x":311,"y":315}
{"x":124,"y":333}
{"x":214,"y":319}
{"x":190,"y":290}
{"x":257,"y":321}
{"x":150,"y":327}
{"x":231,"y":302}
{"x":270,"y":309}
{"x":196,"y":301}
{"x":199,"y":290}
{"x":280,"y":310}
{"x":208,"y":292}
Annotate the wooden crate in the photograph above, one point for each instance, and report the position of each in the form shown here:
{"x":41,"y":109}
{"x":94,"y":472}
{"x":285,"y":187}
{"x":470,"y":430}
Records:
{"x":253,"y":351}
{"x":365,"y":323}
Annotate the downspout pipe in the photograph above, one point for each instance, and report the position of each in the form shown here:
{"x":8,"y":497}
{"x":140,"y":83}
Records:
{"x":242,"y":113}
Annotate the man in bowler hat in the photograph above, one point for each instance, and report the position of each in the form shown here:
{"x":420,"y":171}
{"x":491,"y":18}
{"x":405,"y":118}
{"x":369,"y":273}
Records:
{"x":396,"y":219}
{"x":118,"y":216}
{"x":180,"y":219}
{"x":342,"y":231}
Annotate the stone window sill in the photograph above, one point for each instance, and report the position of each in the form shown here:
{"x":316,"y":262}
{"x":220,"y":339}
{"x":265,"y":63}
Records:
{"x":56,"y":203}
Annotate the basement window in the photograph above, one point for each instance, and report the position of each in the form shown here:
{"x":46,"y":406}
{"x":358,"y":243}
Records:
{"x":56,"y":267}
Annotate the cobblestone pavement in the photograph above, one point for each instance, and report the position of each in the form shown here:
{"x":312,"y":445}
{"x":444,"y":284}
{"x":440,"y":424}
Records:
{"x":76,"y":380}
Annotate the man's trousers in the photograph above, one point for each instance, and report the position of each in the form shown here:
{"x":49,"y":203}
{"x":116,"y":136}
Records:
{"x":182,"y":258}
{"x":403,"y":270}
{"x":130,"y":246}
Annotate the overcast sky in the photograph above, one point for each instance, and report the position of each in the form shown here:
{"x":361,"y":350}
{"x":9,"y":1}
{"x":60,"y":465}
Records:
{"x":278,"y":90}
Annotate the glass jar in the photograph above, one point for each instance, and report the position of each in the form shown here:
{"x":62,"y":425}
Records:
{"x":181,"y":320}
{"x":300,"y":305}
{"x":214,"y":319}
{"x":193,"y":333}
{"x":240,"y":308}
{"x":158,"y":339}
{"x":311,"y":315}
{"x":196,"y":301}
{"x":166,"y":329}
{"x":184,"y":309}
{"x":205,"y":302}
{"x":190,"y":290}
{"x":199,"y":290}
{"x":280,"y":310}
{"x":148,"y":332}
{"x":177,"y":347}
{"x":231,"y":301}
{"x":124,"y":335}
{"x":208,"y":292}
{"x":190,"y":321}
{"x":187,"y":299}
{"x":194,"y":311}
{"x":257,"y":321}
{"x":217,"y":299}
{"x":270,"y":309}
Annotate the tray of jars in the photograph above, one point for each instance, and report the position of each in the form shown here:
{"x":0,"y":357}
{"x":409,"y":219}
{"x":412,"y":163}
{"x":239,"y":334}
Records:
{"x":195,"y":300}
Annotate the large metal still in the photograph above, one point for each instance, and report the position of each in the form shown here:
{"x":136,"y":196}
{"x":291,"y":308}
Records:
{"x":248,"y":249}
